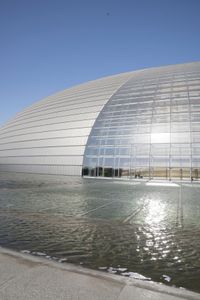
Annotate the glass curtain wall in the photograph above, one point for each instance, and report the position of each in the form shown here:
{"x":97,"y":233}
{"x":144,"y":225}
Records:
{"x":150,"y":128}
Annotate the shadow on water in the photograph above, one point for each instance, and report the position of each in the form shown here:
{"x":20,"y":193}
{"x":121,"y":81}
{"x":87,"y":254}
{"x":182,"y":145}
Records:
{"x":179,"y":216}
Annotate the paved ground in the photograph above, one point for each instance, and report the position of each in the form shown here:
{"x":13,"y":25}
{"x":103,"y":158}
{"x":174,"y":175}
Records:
{"x":26,"y":277}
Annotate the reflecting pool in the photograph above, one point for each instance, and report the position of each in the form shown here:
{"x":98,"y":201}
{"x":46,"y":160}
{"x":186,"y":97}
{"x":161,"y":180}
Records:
{"x":123,"y":227}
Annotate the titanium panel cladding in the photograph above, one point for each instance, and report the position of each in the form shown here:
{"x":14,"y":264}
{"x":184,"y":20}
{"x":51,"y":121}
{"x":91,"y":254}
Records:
{"x":141,"y":124}
{"x":49,"y":137}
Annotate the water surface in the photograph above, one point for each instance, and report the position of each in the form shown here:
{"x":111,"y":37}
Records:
{"x":116,"y":226}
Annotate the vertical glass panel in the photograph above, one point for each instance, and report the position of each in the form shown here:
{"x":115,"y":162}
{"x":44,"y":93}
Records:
{"x":149,"y":128}
{"x":160,"y":138}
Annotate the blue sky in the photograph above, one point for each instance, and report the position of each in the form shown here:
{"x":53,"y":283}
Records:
{"x":49,"y":45}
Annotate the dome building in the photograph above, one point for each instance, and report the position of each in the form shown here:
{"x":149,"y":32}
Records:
{"x":141,"y":124}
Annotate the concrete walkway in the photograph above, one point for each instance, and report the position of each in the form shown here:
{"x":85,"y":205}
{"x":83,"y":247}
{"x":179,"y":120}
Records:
{"x":25,"y":277}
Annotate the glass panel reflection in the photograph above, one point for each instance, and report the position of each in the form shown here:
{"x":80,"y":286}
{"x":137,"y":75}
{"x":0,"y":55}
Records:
{"x":150,"y":128}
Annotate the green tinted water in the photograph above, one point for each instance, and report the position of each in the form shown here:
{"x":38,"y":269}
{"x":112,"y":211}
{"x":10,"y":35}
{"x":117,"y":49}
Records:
{"x":111,"y":225}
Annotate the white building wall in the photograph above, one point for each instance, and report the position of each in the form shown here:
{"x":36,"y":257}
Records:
{"x":50,"y":136}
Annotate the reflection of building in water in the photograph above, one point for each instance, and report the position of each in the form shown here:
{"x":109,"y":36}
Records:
{"x":142,"y":124}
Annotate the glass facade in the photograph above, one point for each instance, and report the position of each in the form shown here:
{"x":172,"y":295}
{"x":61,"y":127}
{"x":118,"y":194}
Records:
{"x":150,"y":128}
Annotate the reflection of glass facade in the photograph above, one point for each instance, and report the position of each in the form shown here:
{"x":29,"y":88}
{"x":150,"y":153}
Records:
{"x":150,"y":128}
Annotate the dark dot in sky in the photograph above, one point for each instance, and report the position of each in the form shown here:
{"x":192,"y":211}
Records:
{"x":107,"y":14}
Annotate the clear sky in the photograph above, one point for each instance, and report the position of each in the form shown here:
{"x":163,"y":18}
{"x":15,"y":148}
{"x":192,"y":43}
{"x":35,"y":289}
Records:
{"x":49,"y":45}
